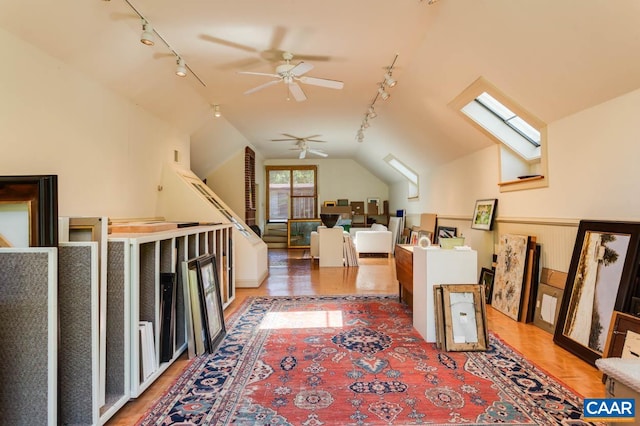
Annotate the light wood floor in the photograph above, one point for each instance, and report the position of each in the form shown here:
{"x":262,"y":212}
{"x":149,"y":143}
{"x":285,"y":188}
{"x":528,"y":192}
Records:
{"x":289,"y":274}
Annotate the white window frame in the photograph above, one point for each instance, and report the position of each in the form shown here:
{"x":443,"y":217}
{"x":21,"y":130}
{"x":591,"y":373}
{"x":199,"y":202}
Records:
{"x":412,"y":178}
{"x":515,"y":159}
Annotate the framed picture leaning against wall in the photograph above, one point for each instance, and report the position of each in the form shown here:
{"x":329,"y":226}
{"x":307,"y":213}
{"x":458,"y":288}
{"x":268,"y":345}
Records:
{"x":601,"y":276}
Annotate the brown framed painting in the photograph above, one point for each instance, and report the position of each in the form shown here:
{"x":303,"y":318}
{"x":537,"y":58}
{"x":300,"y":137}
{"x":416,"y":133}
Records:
{"x":604,"y":265}
{"x":29,"y":208}
{"x":464,"y":317}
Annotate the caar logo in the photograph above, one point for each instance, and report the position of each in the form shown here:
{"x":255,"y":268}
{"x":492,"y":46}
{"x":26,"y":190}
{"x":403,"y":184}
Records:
{"x":609,"y":409}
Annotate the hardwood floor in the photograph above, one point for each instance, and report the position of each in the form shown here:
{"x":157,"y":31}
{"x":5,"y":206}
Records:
{"x":291,"y":274}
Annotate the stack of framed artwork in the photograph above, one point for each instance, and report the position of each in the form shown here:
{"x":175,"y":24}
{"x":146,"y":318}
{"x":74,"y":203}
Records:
{"x":205,"y":320}
{"x":516,"y":277}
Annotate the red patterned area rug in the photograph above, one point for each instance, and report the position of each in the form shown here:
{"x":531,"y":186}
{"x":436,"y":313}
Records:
{"x":355,"y":360}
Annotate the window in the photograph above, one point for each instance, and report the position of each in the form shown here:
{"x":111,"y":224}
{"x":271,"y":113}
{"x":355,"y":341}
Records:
{"x":520,"y":135}
{"x":407,"y":173}
{"x":292,"y":193}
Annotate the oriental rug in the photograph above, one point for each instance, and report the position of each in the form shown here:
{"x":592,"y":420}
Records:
{"x":355,"y":360}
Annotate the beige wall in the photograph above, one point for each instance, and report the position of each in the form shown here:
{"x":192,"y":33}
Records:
{"x":228,"y":182}
{"x":593,"y":157}
{"x":107,"y":152}
{"x":341,"y":178}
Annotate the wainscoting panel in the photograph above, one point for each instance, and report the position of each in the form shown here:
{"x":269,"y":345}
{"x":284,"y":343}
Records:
{"x":556,"y":237}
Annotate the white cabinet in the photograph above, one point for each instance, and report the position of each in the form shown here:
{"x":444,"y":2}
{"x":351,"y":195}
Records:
{"x":433,"y":266}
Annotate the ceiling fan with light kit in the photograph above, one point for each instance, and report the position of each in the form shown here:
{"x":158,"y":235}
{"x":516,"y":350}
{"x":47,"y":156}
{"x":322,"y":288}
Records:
{"x":302,"y":145}
{"x":292,"y":74}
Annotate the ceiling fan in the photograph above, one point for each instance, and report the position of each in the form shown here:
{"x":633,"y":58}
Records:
{"x":304,"y":148}
{"x":302,"y":145}
{"x":290,"y":75}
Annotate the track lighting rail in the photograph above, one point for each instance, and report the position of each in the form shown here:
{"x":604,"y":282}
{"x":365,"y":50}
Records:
{"x":179,"y":59}
{"x":387,"y":82}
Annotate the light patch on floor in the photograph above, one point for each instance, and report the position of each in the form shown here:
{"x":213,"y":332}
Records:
{"x":302,"y":319}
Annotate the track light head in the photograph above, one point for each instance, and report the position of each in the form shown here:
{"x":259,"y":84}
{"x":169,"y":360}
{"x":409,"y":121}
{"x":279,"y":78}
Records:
{"x":181,"y":69}
{"x":147,"y":33}
{"x":371,"y":113}
{"x":216,"y":111}
{"x":388,"y":80}
{"x":384,"y":95}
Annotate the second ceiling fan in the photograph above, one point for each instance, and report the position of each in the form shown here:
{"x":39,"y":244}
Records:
{"x":302,"y":145}
{"x":290,"y":75}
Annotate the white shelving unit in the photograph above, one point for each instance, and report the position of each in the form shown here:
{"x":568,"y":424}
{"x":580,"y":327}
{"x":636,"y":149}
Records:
{"x":159,"y":252}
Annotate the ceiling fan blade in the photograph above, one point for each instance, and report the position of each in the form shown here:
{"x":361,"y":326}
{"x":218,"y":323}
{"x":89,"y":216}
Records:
{"x":315,"y":140}
{"x":312,"y":58}
{"x":308,"y":138}
{"x":297,"y":92}
{"x":323,"y":82}
{"x":227,"y":43}
{"x":282,"y":140}
{"x":301,"y":68}
{"x":316,"y":152}
{"x":292,"y":137}
{"x":259,"y":73}
{"x":262,"y":86}
{"x":303,"y":154}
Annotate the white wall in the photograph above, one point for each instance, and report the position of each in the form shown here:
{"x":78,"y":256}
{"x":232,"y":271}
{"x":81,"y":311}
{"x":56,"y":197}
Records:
{"x":340,"y":178}
{"x":107,"y":152}
{"x":216,"y":142}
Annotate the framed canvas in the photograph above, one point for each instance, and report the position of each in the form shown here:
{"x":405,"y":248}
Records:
{"x":483,"y":214}
{"x":510,"y":274}
{"x":413,"y":238}
{"x":486,"y":280}
{"x":445,"y":232}
{"x":603,"y":267}
{"x":209,"y":284}
{"x":464,"y":316}
{"x":196,"y":336}
{"x":29,"y":210}
{"x":548,"y":300}
{"x":299,"y":232}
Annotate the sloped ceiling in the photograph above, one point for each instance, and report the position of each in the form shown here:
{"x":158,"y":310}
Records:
{"x":553,"y":57}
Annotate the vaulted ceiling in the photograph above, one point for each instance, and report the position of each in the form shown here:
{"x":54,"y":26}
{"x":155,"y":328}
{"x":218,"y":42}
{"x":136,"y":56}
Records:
{"x":552,"y":57}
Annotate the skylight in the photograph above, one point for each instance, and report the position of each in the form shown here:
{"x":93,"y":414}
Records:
{"x":505,"y":125}
{"x":510,"y":118}
{"x":406,"y":172}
